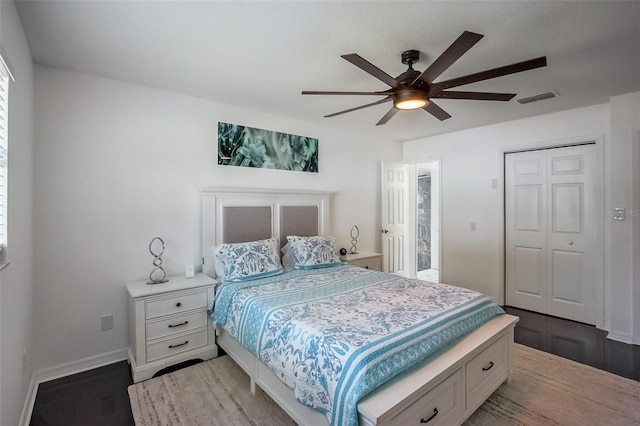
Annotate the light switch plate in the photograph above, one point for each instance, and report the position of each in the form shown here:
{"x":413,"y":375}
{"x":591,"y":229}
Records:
{"x":190,"y":273}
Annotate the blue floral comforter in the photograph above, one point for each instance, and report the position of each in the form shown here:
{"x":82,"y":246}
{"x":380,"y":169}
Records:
{"x":335,"y":334}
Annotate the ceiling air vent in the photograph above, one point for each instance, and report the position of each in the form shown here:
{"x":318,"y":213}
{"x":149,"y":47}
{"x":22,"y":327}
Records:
{"x":540,"y":97}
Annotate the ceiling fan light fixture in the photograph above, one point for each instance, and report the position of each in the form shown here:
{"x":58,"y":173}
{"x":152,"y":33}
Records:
{"x":411,"y":104}
{"x":414,"y":89}
{"x":409,"y":99}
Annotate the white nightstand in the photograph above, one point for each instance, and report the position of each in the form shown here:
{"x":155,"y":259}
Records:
{"x":364,"y":259}
{"x":168,"y":323}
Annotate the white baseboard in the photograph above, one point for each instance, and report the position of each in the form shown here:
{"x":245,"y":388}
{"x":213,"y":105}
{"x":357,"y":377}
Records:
{"x":620,"y":337}
{"x":27,"y":409}
{"x":63,"y":370}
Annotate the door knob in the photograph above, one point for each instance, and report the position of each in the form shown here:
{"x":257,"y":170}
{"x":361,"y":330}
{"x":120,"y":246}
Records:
{"x":384,"y":231}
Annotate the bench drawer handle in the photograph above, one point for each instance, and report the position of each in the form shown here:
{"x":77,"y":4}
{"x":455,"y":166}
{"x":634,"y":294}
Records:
{"x":488,"y":367}
{"x":178,"y":345}
{"x":431,"y":417}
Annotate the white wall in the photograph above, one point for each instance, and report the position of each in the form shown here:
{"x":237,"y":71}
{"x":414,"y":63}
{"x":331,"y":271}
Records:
{"x":16,"y":280}
{"x":471,"y":158}
{"x":623,"y":192}
{"x":118,"y":164}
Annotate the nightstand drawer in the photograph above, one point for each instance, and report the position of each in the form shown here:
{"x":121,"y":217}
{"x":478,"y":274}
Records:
{"x":174,"y":325}
{"x":365,"y":260}
{"x":182,"y":343}
{"x":373,"y":263}
{"x":175,"y":304}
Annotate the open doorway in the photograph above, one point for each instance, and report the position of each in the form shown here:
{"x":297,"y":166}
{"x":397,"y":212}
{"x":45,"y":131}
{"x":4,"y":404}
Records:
{"x":427,"y":222}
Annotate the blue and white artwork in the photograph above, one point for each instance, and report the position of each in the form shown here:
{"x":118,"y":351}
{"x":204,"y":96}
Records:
{"x":250,"y":147}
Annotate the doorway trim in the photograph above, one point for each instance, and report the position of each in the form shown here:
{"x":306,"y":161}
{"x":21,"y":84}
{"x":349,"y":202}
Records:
{"x":598,"y":141}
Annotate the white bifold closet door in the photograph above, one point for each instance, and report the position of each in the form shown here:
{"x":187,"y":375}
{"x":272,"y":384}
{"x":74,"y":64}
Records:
{"x":551,"y":232}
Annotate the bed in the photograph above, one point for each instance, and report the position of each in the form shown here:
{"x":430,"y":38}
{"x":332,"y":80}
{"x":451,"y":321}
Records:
{"x":444,"y":388}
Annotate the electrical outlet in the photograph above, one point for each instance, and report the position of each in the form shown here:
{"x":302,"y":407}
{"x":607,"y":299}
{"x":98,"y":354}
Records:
{"x":472,"y":226}
{"x":107,"y":322}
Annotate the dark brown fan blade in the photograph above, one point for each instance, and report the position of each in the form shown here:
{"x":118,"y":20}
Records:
{"x":458,"y":48}
{"x":368,"y":67}
{"x":489,"y":74}
{"x":481,"y":96}
{"x":387,"y":99}
{"x":313,"y":92}
{"x":436,"y":111}
{"x":388,"y":116}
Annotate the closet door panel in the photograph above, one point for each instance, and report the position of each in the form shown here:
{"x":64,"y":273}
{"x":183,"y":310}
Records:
{"x":526,"y":230}
{"x":571,"y":239}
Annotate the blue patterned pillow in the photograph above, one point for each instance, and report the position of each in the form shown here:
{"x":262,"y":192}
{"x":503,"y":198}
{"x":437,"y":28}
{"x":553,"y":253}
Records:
{"x":313,"y":252}
{"x":249,"y":261}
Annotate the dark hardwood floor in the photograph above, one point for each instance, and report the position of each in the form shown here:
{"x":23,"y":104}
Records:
{"x":96,"y":397}
{"x":579,"y":342}
{"x":99,"y":397}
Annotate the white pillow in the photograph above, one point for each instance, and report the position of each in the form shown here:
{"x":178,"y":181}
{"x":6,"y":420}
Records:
{"x":313,"y":252}
{"x":249,"y":261}
{"x":287,"y":257}
{"x":217,"y":263}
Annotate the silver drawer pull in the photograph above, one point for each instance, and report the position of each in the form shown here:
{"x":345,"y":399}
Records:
{"x":178,"y":345}
{"x":178,"y":325}
{"x":488,"y":367}
{"x":431,"y":417}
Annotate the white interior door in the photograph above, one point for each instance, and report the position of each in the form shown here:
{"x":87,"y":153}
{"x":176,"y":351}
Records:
{"x":395,"y":190}
{"x":551,"y":232}
{"x":526,"y":233}
{"x":572,"y":232}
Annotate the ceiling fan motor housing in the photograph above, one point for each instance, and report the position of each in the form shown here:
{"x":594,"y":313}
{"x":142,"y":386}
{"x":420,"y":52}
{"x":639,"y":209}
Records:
{"x":409,"y":57}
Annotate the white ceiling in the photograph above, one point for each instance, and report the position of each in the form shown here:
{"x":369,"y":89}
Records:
{"x":261,"y":55}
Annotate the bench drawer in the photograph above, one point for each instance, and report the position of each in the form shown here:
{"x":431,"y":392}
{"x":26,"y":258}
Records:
{"x":442,"y":405}
{"x":487,"y":368}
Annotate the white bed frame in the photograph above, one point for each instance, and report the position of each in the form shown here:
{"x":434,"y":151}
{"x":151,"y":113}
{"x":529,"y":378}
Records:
{"x":446,"y":388}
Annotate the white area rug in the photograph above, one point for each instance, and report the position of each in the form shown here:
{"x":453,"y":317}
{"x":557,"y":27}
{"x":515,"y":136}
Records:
{"x":544,"y":390}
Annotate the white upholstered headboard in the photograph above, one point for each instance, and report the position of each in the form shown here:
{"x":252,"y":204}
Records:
{"x":232,"y":215}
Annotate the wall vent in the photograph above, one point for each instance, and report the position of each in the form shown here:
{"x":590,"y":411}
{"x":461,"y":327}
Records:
{"x":540,"y":97}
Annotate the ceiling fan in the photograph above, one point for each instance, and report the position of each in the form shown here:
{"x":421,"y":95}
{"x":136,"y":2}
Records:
{"x":413,"y":90}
